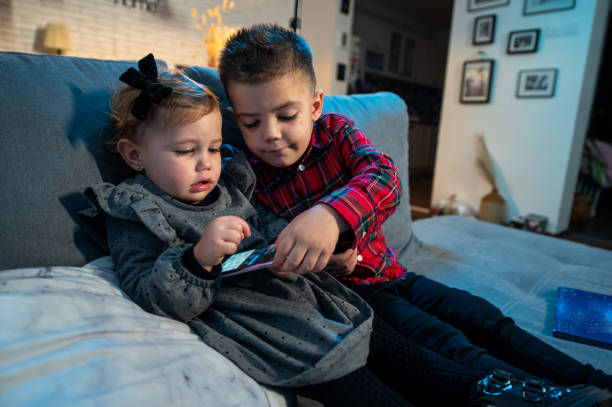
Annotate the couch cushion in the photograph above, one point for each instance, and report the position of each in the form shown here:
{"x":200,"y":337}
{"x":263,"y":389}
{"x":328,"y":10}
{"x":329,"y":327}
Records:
{"x":53,"y":111}
{"x":518,"y":271}
{"x":71,"y":337}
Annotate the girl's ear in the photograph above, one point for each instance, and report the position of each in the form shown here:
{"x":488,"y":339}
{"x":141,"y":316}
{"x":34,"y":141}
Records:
{"x":130,"y":152}
{"x":317,"y":104}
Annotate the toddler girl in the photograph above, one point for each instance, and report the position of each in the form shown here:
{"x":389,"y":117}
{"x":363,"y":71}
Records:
{"x":170,"y":226}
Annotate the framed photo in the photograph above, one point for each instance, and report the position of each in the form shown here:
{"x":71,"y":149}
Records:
{"x":523,"y":41}
{"x":475,"y":5}
{"x":484,"y":29}
{"x":476,"y":81}
{"x":547,"y":6}
{"x":345,"y":6}
{"x":536,"y":83}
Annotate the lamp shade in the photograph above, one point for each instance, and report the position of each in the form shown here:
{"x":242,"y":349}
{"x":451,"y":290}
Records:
{"x":57,"y":38}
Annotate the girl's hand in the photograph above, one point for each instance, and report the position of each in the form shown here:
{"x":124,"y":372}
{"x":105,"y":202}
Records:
{"x":220,"y":238}
{"x":342,"y":264}
{"x":307,"y":243}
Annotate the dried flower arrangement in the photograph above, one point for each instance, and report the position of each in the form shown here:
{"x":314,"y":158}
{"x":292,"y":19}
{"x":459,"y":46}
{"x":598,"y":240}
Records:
{"x":492,"y":205}
{"x":213,"y":39}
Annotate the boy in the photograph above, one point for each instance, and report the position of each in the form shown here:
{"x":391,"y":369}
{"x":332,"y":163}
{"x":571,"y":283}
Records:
{"x":323,"y":175}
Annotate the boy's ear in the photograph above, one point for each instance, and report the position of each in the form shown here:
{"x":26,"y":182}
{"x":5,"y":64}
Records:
{"x":130,"y":152}
{"x":317,"y":104}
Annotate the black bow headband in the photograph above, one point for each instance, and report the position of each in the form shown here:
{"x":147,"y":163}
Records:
{"x":145,"y":79}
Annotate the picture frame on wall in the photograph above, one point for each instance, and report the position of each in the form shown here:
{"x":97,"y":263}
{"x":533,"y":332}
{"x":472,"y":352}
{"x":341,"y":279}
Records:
{"x":484,"y":29}
{"x":536,"y":83}
{"x":523,"y":41}
{"x":538,"y":6}
{"x":476,"y":81}
{"x":476,"y":5}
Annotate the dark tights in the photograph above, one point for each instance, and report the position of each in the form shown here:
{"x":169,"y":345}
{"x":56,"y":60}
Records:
{"x":360,"y":388}
{"x":472,"y":332}
{"x":399,"y":371}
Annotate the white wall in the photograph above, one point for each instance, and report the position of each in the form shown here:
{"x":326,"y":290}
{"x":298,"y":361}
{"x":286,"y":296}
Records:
{"x":322,"y":26}
{"x":535,"y":143}
{"x":106,"y":29}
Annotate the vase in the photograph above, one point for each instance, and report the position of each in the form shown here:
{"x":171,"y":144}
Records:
{"x":493,"y":207}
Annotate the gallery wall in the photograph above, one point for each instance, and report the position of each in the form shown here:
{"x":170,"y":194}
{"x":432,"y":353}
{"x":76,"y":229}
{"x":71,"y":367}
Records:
{"x":535,"y":143}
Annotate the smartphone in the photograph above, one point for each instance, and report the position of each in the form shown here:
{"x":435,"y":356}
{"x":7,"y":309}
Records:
{"x":249,"y":260}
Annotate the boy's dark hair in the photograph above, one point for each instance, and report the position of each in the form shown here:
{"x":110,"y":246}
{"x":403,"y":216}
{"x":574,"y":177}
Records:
{"x":264,"y":52}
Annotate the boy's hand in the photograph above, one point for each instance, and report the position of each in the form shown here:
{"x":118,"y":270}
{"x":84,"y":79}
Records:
{"x":342,"y":264}
{"x":307,"y":243}
{"x":220,"y":238}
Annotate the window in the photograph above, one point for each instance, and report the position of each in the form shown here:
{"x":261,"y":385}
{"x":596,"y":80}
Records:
{"x":375,"y":60}
{"x":340,"y":72}
{"x":345,"y":6}
{"x":344,"y":40}
{"x":394,"y":52}
{"x":408,"y":57}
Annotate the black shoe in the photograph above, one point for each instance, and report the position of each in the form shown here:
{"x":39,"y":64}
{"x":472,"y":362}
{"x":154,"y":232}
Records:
{"x":501,"y":389}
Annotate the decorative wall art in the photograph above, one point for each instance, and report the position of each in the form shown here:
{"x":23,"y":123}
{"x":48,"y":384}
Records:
{"x":484,"y":30}
{"x":536,"y":83}
{"x":475,"y":5}
{"x":476,"y":81}
{"x":547,"y":6}
{"x":523,"y":41}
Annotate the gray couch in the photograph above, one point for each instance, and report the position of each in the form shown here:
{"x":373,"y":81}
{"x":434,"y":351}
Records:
{"x":70,"y":336}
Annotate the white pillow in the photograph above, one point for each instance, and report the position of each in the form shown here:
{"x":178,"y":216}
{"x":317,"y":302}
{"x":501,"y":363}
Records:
{"x":70,"y":336}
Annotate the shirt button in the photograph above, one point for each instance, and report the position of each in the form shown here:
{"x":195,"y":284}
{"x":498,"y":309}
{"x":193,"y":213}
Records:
{"x":363,"y":234}
{"x":301,"y":167}
{"x":359,"y":257}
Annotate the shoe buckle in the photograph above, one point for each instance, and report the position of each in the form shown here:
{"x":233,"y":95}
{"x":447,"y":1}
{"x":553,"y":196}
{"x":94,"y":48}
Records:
{"x":533,"y":390}
{"x":497,"y":382}
{"x":556,"y":393}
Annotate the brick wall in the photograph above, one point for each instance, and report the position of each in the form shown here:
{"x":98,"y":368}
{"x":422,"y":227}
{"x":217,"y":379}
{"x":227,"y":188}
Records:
{"x":107,"y":29}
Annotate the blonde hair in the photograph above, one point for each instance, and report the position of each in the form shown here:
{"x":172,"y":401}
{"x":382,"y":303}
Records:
{"x":188,"y":102}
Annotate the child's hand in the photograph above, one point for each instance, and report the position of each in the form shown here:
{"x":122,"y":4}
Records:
{"x":220,"y":238}
{"x":307,"y":243}
{"x":342,"y":264}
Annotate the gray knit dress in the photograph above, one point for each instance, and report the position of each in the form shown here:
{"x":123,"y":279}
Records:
{"x":283,"y":331}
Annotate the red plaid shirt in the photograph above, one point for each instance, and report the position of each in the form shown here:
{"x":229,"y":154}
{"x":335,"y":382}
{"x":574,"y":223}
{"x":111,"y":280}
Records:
{"x":342,"y":169}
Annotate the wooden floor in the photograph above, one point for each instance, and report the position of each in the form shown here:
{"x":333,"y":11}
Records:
{"x":596,"y":232}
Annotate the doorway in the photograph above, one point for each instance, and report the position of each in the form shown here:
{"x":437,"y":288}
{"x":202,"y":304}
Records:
{"x":402,"y":48}
{"x":591,"y":219}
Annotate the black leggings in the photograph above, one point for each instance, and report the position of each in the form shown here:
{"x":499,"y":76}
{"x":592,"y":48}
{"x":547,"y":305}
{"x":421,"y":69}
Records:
{"x":360,"y":388}
{"x":471,"y":333}
{"x":398,"y":373}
